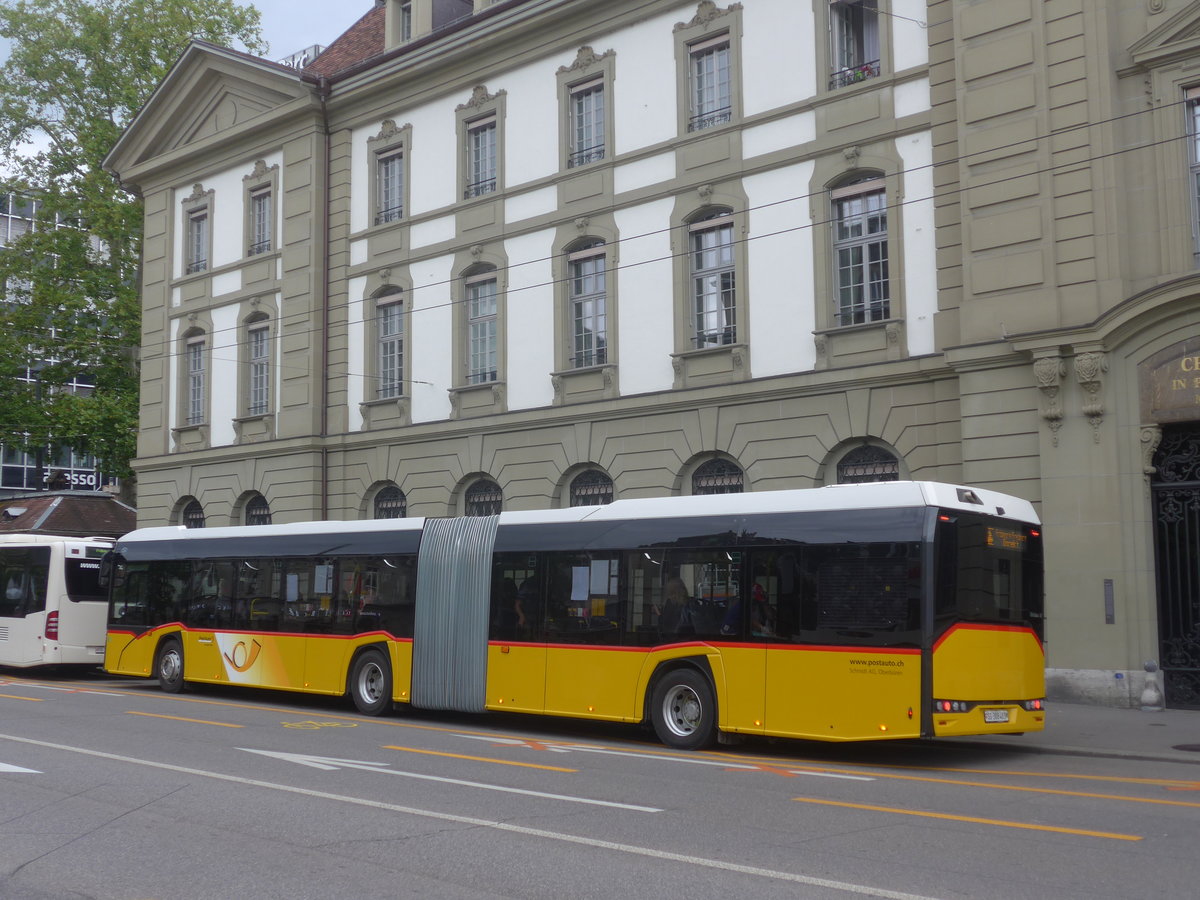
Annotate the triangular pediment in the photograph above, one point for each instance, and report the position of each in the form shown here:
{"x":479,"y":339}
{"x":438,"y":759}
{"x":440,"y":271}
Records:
{"x":209,"y":94}
{"x":1177,"y":36}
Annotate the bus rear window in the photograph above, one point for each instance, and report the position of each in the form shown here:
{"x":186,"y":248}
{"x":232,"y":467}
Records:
{"x":83,"y":580}
{"x":988,"y":571}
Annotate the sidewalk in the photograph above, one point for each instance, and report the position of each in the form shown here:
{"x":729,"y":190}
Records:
{"x":1103,"y":731}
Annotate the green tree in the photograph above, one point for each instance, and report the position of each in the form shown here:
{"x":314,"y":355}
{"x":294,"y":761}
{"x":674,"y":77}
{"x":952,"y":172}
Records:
{"x":77,"y":72}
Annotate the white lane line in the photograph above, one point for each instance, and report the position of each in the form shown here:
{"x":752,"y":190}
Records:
{"x":697,"y":761}
{"x":5,"y":767}
{"x":64,"y":690}
{"x":331,"y":764}
{"x":632,"y":849}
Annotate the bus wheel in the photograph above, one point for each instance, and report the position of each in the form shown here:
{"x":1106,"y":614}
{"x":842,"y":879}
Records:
{"x":371,"y":683}
{"x":169,"y":667}
{"x":683,"y":711}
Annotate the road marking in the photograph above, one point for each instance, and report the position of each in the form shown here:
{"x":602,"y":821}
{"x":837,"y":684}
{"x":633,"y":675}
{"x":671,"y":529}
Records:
{"x":17,"y":770}
{"x":502,"y":762}
{"x":999,"y":822}
{"x":313,"y":726}
{"x":15,"y":697}
{"x":328,"y":763}
{"x":182,"y":719}
{"x":593,"y":843}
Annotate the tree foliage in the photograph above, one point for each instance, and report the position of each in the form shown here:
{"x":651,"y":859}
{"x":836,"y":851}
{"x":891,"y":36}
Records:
{"x":77,"y":73}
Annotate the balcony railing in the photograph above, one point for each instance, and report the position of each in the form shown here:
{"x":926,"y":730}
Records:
{"x":479,"y":188}
{"x":710,"y":119}
{"x":843,"y":77}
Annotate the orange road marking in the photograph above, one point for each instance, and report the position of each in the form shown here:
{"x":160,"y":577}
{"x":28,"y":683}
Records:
{"x":183,"y":719}
{"x":998,"y":822}
{"x":15,"y":697}
{"x":502,"y":762}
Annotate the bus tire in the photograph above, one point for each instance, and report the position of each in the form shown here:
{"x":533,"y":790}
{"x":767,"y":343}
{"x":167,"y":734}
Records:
{"x":683,"y":710}
{"x":168,"y":666}
{"x":371,"y":682}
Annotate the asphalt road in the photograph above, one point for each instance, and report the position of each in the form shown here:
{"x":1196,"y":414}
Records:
{"x":112,"y":789}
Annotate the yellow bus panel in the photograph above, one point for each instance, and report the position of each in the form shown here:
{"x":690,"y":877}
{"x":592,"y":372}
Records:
{"x":843,"y":693}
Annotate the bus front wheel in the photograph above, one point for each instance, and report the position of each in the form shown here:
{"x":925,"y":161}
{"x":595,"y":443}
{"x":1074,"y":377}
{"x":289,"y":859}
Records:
{"x":371,"y":683}
{"x":683,"y":710}
{"x":169,"y":667}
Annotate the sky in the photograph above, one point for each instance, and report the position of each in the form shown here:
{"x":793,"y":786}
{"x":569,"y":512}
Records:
{"x":292,"y":25}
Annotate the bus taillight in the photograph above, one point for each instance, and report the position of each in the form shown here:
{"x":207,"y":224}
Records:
{"x":52,"y":625}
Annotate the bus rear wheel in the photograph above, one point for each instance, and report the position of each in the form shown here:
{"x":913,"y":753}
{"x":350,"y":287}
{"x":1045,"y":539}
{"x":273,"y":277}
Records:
{"x":371,"y":683}
{"x":169,"y":667}
{"x":683,"y":710}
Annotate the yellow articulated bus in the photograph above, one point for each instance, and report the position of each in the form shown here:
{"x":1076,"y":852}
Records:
{"x":845,"y":613}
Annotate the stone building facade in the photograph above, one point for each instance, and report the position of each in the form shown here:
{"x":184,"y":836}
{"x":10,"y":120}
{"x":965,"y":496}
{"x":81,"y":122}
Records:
{"x":529,"y":254}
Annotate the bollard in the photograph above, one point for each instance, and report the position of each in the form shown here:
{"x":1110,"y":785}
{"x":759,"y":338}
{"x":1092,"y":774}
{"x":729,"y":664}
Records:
{"x":1152,"y":699}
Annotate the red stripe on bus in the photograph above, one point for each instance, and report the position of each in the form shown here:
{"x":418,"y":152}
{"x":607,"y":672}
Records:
{"x":973,"y":626}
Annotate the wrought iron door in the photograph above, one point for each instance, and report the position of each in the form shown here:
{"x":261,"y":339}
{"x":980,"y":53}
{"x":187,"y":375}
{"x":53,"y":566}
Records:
{"x":1176,"y":498}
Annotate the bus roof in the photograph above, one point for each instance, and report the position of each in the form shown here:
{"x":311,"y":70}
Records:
{"x":878,"y":495}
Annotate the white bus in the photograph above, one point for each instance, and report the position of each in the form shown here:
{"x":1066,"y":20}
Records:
{"x":52,"y":609}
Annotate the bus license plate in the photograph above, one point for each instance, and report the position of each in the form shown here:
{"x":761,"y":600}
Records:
{"x":995,"y":715}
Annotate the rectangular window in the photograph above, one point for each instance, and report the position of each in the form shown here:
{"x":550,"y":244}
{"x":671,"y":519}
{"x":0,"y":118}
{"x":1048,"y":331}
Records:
{"x":390,"y":322}
{"x":711,"y":87}
{"x":854,"y":41}
{"x":481,"y":330}
{"x":861,"y":252}
{"x":587,"y":295}
{"x":259,"y":370}
{"x":197,"y":242}
{"x":713,"y":282}
{"x":406,"y":21}
{"x":481,"y":157}
{"x":260,"y":221}
{"x":587,"y":123}
{"x":390,"y":179}
{"x":196,"y":381}
{"x":1192,"y":95}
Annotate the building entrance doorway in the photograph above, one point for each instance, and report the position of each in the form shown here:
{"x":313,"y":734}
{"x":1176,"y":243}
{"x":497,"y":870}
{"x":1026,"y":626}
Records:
{"x":1176,"y":508}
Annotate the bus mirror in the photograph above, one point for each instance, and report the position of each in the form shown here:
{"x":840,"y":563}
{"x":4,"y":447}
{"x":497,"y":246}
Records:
{"x":112,"y":570}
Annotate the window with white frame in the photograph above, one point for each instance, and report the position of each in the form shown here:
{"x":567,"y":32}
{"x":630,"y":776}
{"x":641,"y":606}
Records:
{"x":714,"y":289}
{"x":586,"y":293}
{"x":587,"y":123}
{"x":261,"y":214}
{"x":482,"y":328}
{"x":711,"y":87}
{"x":389,"y":323}
{"x":258,"y":367}
{"x":197,"y":380}
{"x":481,"y":157}
{"x":854,"y":41}
{"x":406,"y":21}
{"x":197,"y":241}
{"x":389,"y":179}
{"x":1192,"y":97}
{"x":860,"y":247}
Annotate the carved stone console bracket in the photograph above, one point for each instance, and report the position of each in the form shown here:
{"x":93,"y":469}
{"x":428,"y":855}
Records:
{"x":1151,"y":437}
{"x":1089,"y":370}
{"x":1049,"y":372}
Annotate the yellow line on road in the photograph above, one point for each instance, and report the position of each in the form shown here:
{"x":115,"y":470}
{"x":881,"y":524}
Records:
{"x":999,"y":822}
{"x":502,"y":762}
{"x":183,"y":719}
{"x":15,"y":697}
